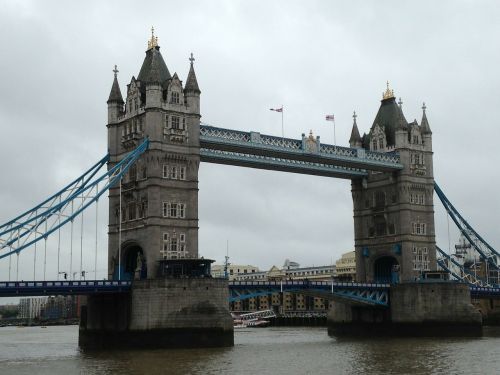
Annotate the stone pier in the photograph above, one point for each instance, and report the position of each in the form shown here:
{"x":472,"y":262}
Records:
{"x":159,"y":313}
{"x":416,"y":309}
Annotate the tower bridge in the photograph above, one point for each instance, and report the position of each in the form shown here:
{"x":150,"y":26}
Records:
{"x":160,"y":292}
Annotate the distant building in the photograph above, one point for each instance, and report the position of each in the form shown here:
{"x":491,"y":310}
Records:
{"x":288,"y":302}
{"x":233,"y":270}
{"x":61,"y":307}
{"x":30,"y":308}
{"x":346,"y":267}
{"x":291,"y":271}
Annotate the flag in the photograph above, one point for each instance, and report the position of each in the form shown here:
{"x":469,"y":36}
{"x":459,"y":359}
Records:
{"x":329,"y":118}
{"x":276,"y":109}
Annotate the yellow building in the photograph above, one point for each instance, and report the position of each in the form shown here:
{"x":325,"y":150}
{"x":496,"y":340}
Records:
{"x":287,"y":302}
{"x":346,"y":267}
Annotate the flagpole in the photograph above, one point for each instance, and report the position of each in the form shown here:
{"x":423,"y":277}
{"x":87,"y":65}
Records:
{"x":282,"y":126}
{"x":334,"y":136}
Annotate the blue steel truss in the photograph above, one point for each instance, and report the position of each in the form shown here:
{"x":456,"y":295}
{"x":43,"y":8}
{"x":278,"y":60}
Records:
{"x":62,"y":288}
{"x":485,"y":251}
{"x":358,"y":293}
{"x":59,"y":209}
{"x":255,"y":150}
{"x":458,"y":271}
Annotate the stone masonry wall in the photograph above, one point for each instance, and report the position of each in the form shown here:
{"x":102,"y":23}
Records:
{"x":180,"y":303}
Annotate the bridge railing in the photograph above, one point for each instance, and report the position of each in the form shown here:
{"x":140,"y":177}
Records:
{"x":66,"y":283}
{"x":303,"y":283}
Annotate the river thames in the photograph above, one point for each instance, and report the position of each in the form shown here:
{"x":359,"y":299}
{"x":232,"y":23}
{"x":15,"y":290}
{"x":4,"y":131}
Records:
{"x":283,"y":350}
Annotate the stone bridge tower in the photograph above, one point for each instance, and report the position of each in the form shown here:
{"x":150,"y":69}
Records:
{"x":394,"y":212}
{"x":157,"y":217}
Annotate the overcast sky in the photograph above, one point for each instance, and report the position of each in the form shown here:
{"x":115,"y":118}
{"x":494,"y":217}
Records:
{"x":313,"y":57}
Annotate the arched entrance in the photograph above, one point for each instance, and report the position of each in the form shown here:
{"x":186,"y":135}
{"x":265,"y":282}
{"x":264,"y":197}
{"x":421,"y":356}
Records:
{"x":386,"y":270}
{"x":133,"y":263}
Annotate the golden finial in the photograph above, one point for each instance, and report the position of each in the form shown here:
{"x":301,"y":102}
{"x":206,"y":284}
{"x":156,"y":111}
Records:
{"x":153,"y":42}
{"x":388,"y":94}
{"x":311,"y":136}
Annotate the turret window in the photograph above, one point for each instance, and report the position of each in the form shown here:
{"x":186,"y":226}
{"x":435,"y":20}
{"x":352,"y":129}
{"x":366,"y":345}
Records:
{"x":419,"y":229}
{"x":417,"y":158}
{"x":174,"y":210}
{"x":174,"y":172}
{"x":175,"y":98}
{"x":173,"y":245}
{"x":374,"y":145}
{"x":131,"y":211}
{"x":143,"y":209}
{"x":420,"y":259}
{"x":175,"y":123}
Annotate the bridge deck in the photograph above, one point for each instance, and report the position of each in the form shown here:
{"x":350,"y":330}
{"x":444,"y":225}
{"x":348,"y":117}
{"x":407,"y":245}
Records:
{"x":52,"y":288}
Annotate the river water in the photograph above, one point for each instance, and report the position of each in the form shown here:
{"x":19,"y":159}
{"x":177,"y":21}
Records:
{"x":282,"y":350}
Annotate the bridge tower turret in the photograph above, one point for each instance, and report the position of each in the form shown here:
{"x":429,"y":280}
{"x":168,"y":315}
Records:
{"x":156,"y":215}
{"x":394,"y":212}
{"x":115,"y":100}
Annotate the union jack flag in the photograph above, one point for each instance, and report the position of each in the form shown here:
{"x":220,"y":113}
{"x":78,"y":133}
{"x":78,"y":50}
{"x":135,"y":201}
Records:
{"x":276,"y":109}
{"x":329,"y":118}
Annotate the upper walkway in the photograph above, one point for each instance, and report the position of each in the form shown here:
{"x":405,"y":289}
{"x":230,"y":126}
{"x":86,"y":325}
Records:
{"x":306,"y":156}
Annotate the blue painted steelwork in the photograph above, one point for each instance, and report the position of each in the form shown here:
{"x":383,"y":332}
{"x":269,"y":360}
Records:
{"x":33,"y":226}
{"x":61,"y":288}
{"x":484,"y":292}
{"x":257,"y":150}
{"x":280,"y":164}
{"x":449,"y":264}
{"x":370,"y":294}
{"x":486,"y":252}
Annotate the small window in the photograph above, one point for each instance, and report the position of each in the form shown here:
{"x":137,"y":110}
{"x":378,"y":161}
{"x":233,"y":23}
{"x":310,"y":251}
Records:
{"x":173,"y":244}
{"x":175,"y":122}
{"x":173,"y":210}
{"x":182,"y":237}
{"x":131,"y":211}
{"x":165,"y":171}
{"x":175,"y":97}
{"x":166,"y":209}
{"x":173,"y":172}
{"x":374,"y":145}
{"x":182,"y":173}
{"x":143,"y":209}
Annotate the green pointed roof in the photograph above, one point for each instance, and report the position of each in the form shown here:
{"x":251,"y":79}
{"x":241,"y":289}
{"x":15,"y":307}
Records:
{"x":391,"y":117}
{"x":154,"y":69}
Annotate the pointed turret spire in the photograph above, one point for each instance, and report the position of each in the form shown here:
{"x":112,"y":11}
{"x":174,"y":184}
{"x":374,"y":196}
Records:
{"x":424,"y":124}
{"x":191,"y":82}
{"x":355,"y":140}
{"x":115,"y":96}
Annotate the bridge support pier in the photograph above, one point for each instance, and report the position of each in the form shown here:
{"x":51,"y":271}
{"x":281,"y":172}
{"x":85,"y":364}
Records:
{"x":159,"y":313}
{"x":416,"y":309}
